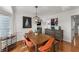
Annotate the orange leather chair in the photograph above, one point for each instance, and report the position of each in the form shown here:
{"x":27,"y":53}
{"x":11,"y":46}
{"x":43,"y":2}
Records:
{"x":47,"y":46}
{"x":27,"y":42}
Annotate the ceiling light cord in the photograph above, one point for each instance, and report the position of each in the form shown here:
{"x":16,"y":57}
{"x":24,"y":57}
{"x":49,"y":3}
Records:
{"x":36,"y":9}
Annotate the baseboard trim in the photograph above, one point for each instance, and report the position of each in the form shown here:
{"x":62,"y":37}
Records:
{"x":67,"y":42}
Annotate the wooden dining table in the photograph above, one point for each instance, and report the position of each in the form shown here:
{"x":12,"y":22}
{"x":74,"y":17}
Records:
{"x":38,"y":39}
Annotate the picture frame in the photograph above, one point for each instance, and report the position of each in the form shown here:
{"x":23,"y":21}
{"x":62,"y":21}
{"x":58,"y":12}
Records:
{"x":27,"y":22}
{"x":54,"y":21}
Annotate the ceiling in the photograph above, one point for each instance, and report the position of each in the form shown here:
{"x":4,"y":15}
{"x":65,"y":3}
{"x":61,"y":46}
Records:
{"x":43,"y":10}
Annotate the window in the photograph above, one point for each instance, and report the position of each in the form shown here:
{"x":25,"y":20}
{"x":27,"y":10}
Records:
{"x":4,"y":26}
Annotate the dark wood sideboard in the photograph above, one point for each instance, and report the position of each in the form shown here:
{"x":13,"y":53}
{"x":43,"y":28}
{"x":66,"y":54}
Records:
{"x":58,"y":34}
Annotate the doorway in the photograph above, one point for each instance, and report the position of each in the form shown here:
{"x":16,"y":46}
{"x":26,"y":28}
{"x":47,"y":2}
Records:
{"x":75,"y":29}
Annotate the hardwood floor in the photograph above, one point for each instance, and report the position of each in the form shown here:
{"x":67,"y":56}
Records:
{"x":20,"y":48}
{"x":75,"y":47}
{"x":67,"y":47}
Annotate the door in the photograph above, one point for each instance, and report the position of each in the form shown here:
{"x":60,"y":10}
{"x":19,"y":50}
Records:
{"x":72,"y":27}
{"x":75,"y":28}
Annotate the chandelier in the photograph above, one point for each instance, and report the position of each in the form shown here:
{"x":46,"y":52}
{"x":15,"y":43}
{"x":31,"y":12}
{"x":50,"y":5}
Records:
{"x":36,"y":18}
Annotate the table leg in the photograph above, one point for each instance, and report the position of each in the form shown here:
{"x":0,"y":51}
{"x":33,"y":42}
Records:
{"x":36,"y":48}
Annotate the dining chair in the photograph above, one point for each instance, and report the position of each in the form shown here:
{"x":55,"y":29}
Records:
{"x":28,"y":43}
{"x":47,"y":46}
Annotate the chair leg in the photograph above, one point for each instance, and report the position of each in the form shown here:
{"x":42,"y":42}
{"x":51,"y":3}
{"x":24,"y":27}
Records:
{"x":56,"y":47}
{"x":61,"y":45}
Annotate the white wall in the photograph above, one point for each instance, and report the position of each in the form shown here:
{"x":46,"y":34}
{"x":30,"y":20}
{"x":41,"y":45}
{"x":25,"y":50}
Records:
{"x":6,"y":10}
{"x":19,"y":25}
{"x":64,"y":20}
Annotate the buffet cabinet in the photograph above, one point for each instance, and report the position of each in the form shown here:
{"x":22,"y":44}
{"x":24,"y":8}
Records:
{"x":7,"y":43}
{"x":58,"y":34}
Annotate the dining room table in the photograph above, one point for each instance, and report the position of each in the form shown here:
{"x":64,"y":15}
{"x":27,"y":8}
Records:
{"x":38,"y":39}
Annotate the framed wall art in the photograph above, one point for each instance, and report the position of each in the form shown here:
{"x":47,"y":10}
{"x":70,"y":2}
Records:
{"x":27,"y":23}
{"x":54,"y":21}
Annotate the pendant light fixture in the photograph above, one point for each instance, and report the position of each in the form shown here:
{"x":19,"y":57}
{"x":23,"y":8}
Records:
{"x":36,"y":18}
